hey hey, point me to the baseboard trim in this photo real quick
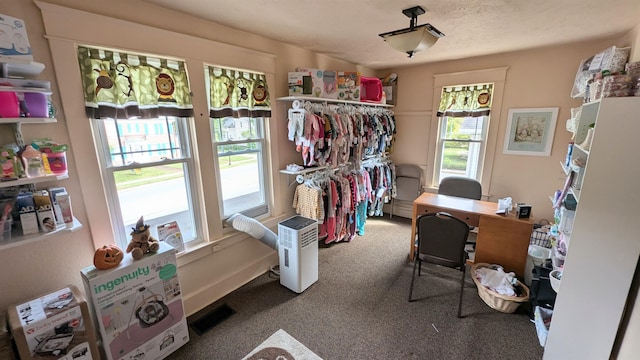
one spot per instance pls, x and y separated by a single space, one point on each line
213 292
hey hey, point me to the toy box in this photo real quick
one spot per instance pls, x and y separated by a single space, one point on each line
312 82
14 42
329 84
137 306
54 326
348 85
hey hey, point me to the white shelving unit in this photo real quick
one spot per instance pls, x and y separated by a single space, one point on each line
604 251
8 70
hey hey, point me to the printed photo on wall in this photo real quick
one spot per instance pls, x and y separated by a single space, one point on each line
530 131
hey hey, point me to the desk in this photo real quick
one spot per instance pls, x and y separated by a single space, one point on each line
502 240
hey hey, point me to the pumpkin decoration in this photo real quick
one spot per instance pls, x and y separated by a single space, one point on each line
107 257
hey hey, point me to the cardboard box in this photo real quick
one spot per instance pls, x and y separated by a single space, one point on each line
312 82
14 42
348 85
329 84
53 193
6 348
27 210
44 211
390 92
296 82
54 326
137 306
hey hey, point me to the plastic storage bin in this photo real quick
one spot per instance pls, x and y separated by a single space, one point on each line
542 319
371 89
37 104
9 105
537 257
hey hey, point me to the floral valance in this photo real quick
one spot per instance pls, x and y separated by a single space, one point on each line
463 101
121 86
235 93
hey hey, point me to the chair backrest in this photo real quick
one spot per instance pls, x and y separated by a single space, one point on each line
461 187
441 239
408 181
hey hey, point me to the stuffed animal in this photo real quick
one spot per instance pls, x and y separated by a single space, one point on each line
141 241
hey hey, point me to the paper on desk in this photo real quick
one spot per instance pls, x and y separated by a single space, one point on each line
504 205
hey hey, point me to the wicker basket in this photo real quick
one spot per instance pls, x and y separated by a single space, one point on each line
503 303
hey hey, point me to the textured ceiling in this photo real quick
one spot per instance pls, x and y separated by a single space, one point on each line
348 29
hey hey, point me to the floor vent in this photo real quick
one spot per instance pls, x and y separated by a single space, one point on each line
212 318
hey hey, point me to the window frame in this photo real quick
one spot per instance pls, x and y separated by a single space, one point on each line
497 76
263 164
441 143
107 170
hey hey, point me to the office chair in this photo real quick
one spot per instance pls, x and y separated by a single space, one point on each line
441 241
408 184
461 187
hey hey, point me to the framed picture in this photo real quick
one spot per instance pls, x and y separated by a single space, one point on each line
530 131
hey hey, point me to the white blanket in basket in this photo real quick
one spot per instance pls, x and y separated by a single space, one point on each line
497 280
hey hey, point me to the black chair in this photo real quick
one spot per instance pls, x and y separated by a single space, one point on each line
441 241
461 187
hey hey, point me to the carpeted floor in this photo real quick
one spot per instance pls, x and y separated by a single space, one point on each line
358 309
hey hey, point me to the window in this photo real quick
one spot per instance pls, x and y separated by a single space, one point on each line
140 110
463 125
146 170
240 145
238 106
461 146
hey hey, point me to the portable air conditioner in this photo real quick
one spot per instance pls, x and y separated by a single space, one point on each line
298 252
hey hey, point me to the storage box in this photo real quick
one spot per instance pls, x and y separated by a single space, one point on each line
312 82
542 318
296 81
137 306
54 326
26 207
329 84
390 88
370 89
44 211
348 85
14 42
6 348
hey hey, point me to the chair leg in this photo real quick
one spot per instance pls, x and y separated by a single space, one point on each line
413 277
464 271
419 268
391 210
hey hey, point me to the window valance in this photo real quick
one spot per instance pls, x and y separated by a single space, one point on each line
121 86
235 93
463 101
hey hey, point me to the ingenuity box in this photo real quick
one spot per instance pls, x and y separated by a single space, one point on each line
138 306
54 326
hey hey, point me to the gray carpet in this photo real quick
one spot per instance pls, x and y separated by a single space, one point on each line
358 309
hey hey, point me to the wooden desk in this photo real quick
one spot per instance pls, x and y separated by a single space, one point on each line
502 240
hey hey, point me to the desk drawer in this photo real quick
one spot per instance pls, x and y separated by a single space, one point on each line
469 218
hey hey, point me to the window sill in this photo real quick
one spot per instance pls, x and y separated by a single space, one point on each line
230 238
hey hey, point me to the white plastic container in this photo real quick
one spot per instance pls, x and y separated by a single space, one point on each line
32 159
537 256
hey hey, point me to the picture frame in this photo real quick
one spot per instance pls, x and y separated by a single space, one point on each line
530 131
